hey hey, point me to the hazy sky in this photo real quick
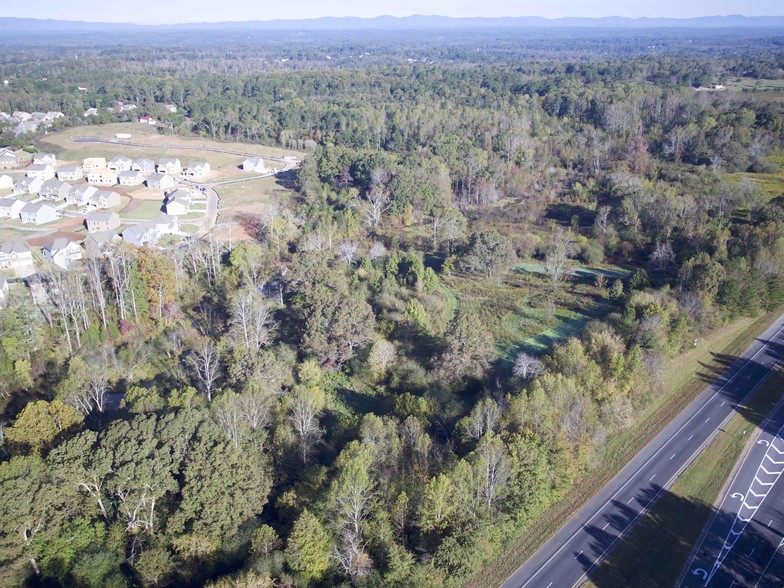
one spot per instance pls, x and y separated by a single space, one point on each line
173 11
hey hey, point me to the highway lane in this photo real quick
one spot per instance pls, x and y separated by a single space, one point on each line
572 553
742 544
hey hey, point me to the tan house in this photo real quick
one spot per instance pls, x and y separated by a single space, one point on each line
70 173
92 163
99 221
105 177
120 163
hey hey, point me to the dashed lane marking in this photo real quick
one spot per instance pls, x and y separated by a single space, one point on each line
605 526
652 477
673 455
689 439
632 498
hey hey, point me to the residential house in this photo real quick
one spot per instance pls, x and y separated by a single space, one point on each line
8 160
91 112
62 252
147 120
21 116
23 128
10 207
15 255
105 199
53 116
166 224
254 164
160 181
81 195
70 173
105 177
42 171
27 185
100 221
177 202
92 163
96 243
145 233
6 182
46 158
38 214
130 178
196 169
120 163
55 190
169 166
143 165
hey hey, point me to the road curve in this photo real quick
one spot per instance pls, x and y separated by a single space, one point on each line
570 556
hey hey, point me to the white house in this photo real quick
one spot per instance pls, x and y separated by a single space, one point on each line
15 255
104 177
70 173
105 199
8 160
177 202
254 164
91 112
45 158
92 163
147 120
130 178
10 207
169 166
27 186
55 190
62 252
145 233
42 171
143 165
6 182
120 163
196 169
38 214
160 181
81 195
166 224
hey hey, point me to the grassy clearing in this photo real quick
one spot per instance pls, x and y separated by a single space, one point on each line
654 553
148 210
11 234
683 388
755 85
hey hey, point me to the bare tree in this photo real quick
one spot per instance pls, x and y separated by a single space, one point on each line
527 367
347 251
602 221
251 319
662 254
483 418
351 557
558 253
205 364
375 205
305 407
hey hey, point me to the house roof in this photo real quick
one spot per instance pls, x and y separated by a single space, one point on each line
100 238
144 161
179 194
197 164
35 207
120 159
44 156
58 244
158 177
39 167
101 216
168 160
14 247
83 189
9 202
130 174
69 169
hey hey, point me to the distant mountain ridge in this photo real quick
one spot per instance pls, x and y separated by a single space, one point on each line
33 25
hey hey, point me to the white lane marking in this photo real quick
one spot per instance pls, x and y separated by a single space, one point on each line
753 549
632 498
652 477
723 403
689 439
579 554
659 450
706 420
550 584
769 522
768 564
673 455
605 526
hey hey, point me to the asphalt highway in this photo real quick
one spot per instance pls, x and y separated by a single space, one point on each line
569 557
743 543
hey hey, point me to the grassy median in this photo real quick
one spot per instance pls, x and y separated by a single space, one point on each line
683 386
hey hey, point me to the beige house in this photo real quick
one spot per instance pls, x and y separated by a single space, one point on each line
99 221
160 181
105 177
70 173
92 163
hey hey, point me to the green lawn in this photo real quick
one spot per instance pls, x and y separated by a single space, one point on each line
147 211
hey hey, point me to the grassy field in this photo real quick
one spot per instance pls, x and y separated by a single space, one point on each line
683 387
654 553
753 84
148 210
11 234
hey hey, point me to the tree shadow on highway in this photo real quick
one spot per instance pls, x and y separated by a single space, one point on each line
723 366
655 551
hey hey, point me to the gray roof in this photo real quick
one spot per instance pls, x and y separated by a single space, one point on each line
101 237
39 166
169 160
69 169
58 245
8 202
34 207
14 247
101 216
130 174
120 158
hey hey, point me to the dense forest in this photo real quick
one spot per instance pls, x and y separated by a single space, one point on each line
345 399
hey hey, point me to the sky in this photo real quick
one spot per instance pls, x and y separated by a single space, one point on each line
181 11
